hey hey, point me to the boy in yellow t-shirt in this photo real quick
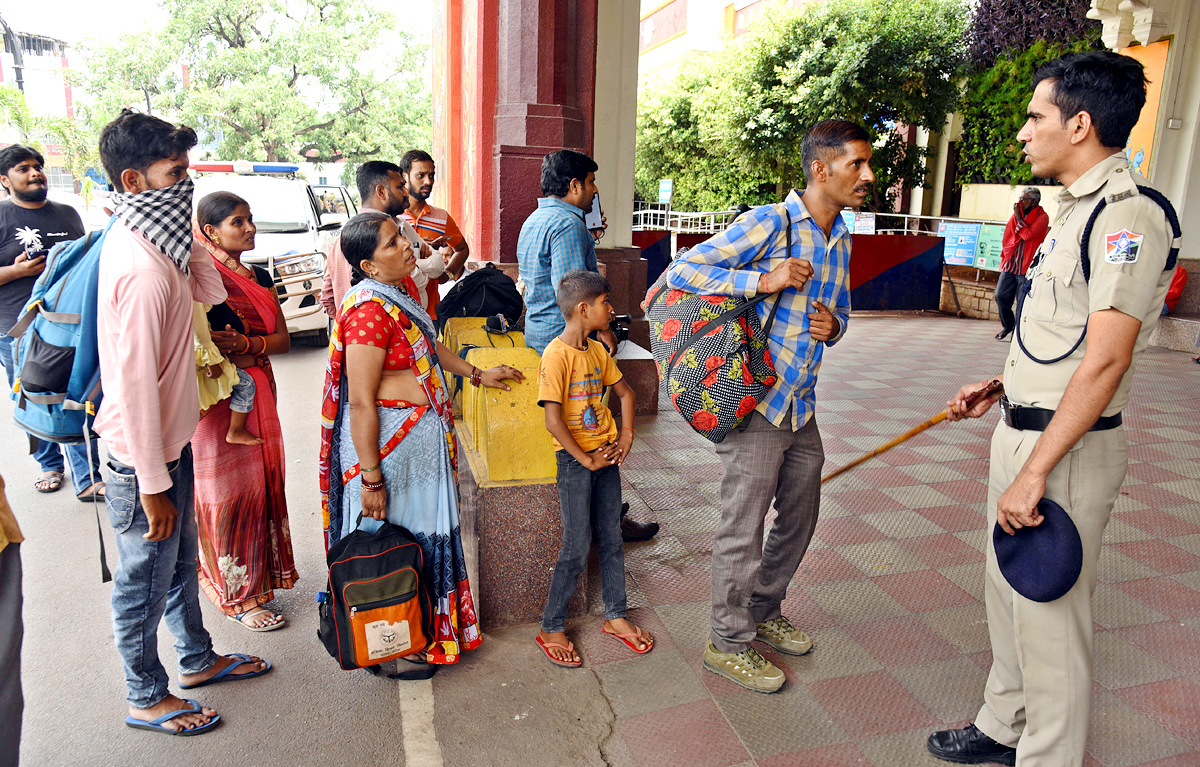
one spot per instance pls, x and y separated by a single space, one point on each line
574 372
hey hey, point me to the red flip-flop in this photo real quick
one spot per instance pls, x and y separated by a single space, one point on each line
626 639
569 647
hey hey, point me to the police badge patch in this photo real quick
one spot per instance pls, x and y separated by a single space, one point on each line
1122 247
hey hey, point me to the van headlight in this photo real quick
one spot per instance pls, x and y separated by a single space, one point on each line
312 263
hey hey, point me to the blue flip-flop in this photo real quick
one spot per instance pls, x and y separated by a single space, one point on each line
225 675
156 725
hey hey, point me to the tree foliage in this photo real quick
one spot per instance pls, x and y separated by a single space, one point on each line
993 109
670 145
275 80
880 63
1015 25
77 142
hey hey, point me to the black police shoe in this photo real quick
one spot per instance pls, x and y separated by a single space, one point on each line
1003 334
634 532
969 746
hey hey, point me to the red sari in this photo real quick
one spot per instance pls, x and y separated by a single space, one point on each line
241 508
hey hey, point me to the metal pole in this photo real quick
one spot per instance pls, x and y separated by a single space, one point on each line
14 44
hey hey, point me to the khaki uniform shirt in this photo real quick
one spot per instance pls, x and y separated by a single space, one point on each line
1128 252
9 532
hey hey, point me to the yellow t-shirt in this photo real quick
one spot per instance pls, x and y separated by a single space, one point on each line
9 532
576 380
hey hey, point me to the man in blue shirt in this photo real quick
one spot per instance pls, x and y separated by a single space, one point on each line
554 240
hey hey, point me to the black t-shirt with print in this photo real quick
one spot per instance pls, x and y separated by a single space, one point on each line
30 230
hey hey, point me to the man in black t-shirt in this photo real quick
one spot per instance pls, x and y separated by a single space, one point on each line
29 226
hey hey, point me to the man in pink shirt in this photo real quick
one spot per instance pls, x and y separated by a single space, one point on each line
148 280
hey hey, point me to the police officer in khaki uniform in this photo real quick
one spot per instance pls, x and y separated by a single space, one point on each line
1061 435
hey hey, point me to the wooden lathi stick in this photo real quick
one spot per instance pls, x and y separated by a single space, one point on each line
992 388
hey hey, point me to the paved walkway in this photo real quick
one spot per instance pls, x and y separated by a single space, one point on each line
891 591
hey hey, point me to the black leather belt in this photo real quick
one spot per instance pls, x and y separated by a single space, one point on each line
1028 418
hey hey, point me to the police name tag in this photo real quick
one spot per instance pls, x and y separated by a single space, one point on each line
1122 247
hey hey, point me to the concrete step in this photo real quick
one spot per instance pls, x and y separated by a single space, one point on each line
1179 331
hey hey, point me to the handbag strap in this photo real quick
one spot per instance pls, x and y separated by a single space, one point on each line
742 308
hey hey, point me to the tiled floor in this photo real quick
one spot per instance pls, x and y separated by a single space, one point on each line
891 589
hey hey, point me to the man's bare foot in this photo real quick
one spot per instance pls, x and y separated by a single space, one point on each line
559 653
169 704
623 626
242 437
256 665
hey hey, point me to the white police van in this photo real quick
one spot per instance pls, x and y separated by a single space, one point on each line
296 222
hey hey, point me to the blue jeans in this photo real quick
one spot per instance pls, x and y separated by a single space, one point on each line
241 399
588 499
152 579
47 454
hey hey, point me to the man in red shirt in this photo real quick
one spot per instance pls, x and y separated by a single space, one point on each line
1022 237
435 225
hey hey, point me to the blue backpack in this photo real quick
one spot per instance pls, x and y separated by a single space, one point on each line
56 357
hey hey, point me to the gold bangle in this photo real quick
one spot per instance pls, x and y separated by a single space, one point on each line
364 469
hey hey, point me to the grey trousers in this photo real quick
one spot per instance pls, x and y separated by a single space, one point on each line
761 464
12 704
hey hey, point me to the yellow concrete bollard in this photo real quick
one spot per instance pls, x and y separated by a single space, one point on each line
507 428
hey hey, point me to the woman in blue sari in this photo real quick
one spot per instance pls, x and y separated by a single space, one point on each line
388 448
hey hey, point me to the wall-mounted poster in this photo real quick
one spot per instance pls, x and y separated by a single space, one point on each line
962 240
991 242
1140 149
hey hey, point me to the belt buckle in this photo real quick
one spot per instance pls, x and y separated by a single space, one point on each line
1006 409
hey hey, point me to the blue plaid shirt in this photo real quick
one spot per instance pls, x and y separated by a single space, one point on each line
731 263
553 241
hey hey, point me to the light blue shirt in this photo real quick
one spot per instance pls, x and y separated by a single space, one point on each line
554 241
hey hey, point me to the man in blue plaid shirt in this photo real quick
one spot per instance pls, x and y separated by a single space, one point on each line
777 455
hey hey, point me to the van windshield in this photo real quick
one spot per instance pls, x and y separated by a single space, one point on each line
277 205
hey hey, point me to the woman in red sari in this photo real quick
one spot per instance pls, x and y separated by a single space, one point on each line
241 509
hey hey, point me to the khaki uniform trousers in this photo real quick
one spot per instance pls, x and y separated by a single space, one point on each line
1039 690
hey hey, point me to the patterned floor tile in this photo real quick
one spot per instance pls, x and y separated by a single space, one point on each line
676 584
641 684
1113 567
691 735
924 590
1113 608
687 623
1161 555
902 524
964 627
855 601
897 642
598 648
660 551
867 501
867 705
1165 594
841 755
902 749
835 654
784 721
1170 642
964 490
846 530
951 689
941 550
1119 664
697 519
825 566
881 558
1122 736
660 498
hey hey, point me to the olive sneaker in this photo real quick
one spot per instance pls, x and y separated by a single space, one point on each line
747 668
783 636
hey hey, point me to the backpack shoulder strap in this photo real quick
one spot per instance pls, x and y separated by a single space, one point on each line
1149 193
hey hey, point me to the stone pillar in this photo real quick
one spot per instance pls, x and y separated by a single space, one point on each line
546 80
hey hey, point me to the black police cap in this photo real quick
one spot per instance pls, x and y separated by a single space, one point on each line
1041 563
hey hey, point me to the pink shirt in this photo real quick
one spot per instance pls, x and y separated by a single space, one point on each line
337 270
147 363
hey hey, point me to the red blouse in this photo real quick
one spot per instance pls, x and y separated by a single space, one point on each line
370 324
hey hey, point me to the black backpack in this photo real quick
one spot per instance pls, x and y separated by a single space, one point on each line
378 605
482 293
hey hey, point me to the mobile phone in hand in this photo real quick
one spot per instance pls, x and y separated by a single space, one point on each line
594 219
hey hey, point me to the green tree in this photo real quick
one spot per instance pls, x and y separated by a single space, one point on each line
880 63
277 80
670 145
76 140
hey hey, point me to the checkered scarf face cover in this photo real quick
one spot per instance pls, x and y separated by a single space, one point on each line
162 216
